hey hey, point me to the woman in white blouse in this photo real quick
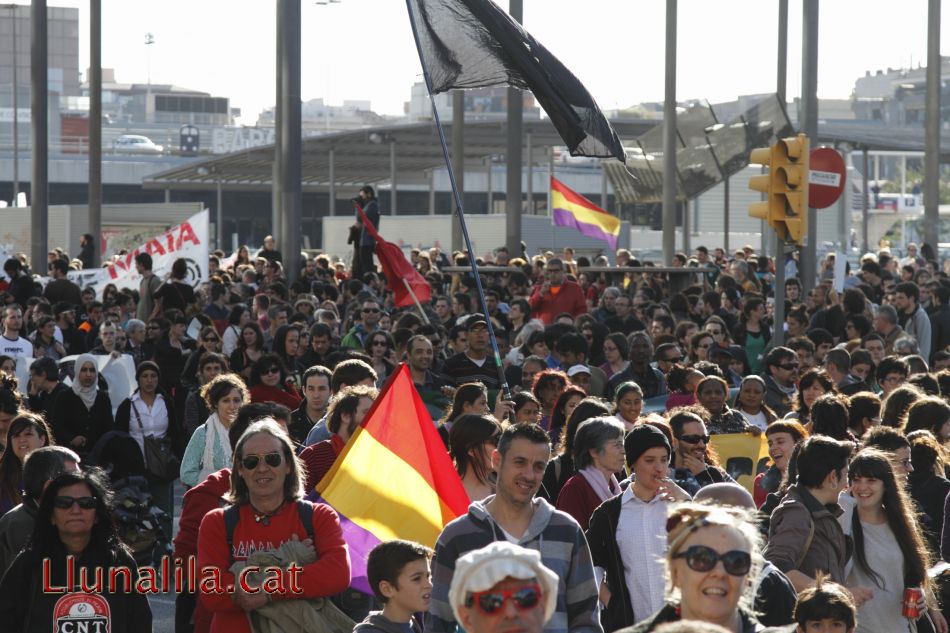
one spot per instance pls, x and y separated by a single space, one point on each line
149 412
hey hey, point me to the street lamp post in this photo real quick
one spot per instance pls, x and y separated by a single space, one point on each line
16 113
149 41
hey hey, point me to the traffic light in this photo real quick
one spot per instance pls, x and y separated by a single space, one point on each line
786 187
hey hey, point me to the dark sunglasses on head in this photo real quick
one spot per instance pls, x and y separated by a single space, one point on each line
490 602
701 558
694 439
273 460
65 503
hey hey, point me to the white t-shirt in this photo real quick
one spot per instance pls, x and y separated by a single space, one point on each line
16 348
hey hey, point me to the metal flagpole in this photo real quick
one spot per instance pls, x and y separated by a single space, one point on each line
506 391
425 317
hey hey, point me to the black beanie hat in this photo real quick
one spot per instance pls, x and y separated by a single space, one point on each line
642 438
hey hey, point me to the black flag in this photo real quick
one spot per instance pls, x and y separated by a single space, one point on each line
473 44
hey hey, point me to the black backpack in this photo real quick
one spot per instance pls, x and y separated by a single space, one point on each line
232 515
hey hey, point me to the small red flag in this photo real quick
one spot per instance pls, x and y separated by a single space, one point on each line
399 271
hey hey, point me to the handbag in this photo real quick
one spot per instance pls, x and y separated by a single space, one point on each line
161 463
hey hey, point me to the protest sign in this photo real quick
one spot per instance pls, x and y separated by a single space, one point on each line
188 240
742 455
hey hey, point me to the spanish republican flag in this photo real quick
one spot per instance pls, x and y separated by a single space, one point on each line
570 208
394 479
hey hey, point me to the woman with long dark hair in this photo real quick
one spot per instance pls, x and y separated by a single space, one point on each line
74 520
27 433
616 354
269 383
471 441
237 318
175 293
250 347
813 384
889 552
286 346
566 403
379 346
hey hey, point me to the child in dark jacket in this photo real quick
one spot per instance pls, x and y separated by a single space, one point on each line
398 573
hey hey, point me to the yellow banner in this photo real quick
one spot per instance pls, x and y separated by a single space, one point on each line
742 455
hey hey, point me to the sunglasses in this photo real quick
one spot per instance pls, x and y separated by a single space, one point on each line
273 460
272 370
694 439
370 310
701 558
673 359
65 503
789 367
491 602
380 344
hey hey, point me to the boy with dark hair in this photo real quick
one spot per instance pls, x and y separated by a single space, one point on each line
827 606
398 573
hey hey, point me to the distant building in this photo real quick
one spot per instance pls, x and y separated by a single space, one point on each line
63 52
160 104
318 117
481 104
897 96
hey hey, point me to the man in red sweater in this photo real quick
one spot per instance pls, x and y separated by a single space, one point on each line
344 416
207 496
557 294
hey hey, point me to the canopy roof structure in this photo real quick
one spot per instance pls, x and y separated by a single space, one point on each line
368 155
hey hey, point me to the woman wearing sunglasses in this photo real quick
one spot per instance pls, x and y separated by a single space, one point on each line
889 551
267 497
74 519
471 441
208 449
269 383
379 347
712 553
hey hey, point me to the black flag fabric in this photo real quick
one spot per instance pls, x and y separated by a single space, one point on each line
473 44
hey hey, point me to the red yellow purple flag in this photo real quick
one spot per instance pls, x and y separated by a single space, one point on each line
394 479
570 208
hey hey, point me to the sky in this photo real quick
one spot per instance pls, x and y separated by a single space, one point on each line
363 49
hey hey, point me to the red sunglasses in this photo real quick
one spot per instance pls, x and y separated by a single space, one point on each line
491 602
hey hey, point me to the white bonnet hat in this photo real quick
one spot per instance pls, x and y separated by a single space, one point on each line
482 569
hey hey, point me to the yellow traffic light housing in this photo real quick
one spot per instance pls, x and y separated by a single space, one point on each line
785 208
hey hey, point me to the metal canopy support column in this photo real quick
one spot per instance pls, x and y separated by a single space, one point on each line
291 196
219 202
603 190
488 187
808 121
669 138
513 155
39 124
431 178
458 161
392 176
932 145
95 128
865 194
332 184
725 215
276 193
16 105
529 153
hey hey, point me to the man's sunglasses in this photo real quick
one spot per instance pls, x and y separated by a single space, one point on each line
694 439
370 310
491 602
702 559
273 460
65 503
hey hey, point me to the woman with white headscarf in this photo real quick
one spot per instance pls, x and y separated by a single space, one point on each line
83 414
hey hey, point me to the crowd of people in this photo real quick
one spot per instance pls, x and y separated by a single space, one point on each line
598 501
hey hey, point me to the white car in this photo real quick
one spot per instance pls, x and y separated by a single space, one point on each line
134 144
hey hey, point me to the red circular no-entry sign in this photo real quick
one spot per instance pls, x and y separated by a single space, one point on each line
826 175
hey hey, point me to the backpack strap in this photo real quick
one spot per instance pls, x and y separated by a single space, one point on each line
305 510
811 537
231 516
